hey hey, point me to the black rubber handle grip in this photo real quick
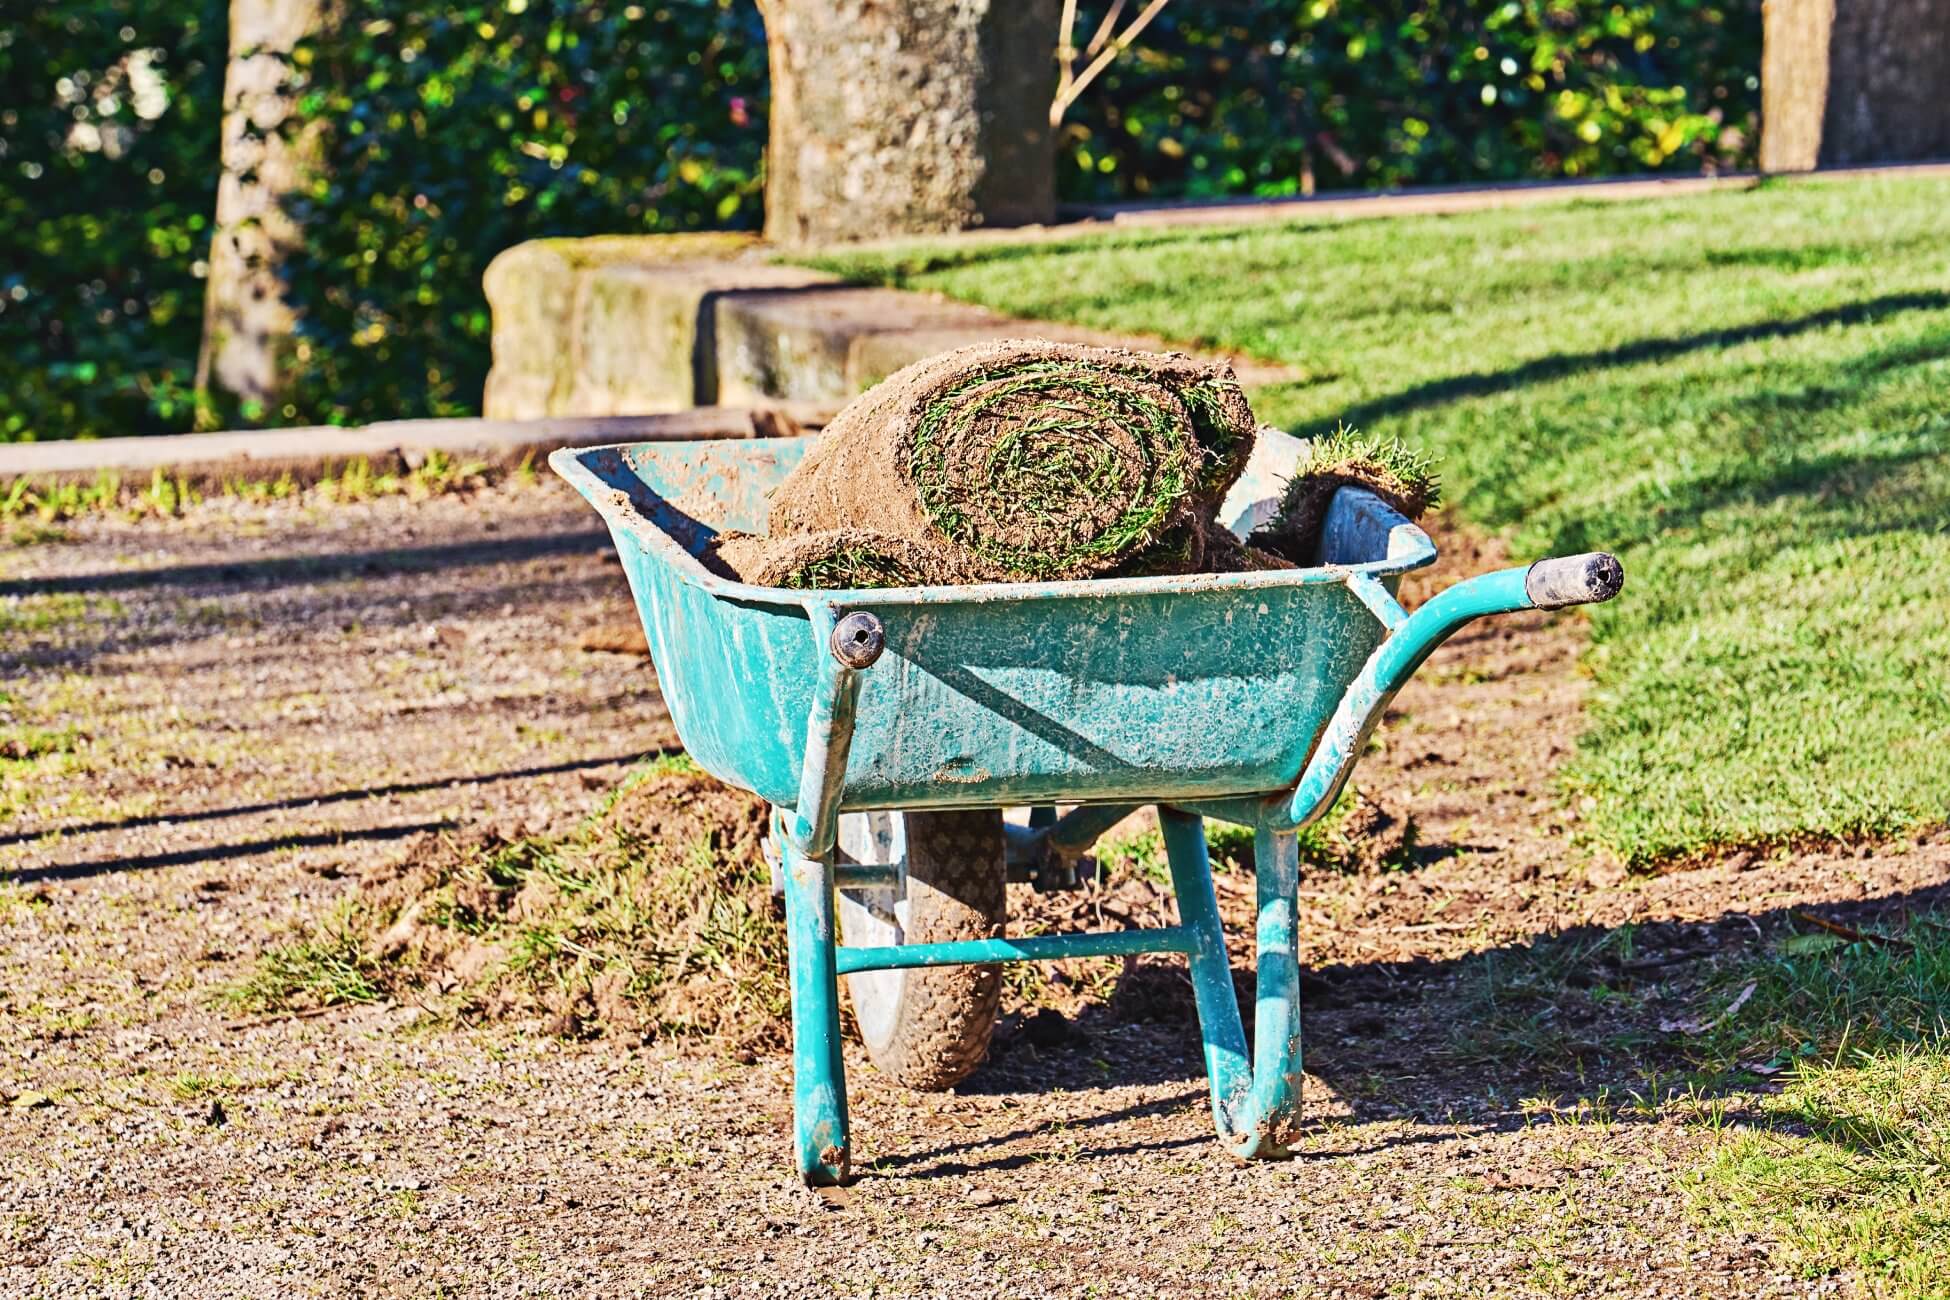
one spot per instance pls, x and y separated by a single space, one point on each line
1574 580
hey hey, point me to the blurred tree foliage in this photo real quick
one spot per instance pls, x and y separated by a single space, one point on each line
456 129
108 176
1249 97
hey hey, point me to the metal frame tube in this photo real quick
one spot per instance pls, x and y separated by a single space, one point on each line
819 1117
1226 1068
829 739
1264 1126
1042 947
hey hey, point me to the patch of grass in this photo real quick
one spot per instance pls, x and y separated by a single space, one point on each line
1561 1002
26 744
328 966
189 1086
1819 997
1845 1173
437 475
1841 1165
22 497
1740 393
1585 998
54 612
168 496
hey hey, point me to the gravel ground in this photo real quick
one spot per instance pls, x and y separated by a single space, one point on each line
241 707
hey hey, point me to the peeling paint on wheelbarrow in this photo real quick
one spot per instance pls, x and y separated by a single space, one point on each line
1242 696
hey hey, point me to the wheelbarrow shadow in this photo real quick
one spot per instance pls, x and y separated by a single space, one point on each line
1572 1021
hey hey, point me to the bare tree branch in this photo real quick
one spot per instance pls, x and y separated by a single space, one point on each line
1067 94
1104 29
1066 48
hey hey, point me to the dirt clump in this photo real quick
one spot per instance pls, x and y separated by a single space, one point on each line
655 918
1373 837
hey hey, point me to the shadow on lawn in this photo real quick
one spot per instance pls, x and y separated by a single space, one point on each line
1831 485
1544 370
1571 1017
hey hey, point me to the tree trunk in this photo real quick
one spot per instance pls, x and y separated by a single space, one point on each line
908 116
247 323
1854 81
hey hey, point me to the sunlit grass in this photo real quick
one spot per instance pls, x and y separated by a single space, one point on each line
1740 393
46 503
1845 1170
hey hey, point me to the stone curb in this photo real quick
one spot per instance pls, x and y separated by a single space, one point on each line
601 332
1087 220
208 460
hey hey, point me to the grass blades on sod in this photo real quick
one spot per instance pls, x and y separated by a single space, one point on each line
1744 394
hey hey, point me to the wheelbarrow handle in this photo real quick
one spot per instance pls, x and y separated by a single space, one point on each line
1587 579
1547 584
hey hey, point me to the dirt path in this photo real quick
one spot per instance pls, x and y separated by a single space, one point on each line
262 699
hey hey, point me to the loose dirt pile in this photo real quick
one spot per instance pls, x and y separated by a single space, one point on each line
656 920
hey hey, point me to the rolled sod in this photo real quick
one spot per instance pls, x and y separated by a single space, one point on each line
1013 461
1398 474
854 558
839 559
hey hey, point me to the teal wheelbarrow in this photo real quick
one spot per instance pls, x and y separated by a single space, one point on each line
889 728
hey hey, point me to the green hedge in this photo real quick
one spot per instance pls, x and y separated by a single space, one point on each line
108 178
459 129
1250 98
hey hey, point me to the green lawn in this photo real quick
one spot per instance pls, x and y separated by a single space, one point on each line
1745 395
1842 1166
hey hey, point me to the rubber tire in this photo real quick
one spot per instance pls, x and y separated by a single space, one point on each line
942 1017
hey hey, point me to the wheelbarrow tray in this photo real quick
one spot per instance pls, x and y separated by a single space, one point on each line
1128 690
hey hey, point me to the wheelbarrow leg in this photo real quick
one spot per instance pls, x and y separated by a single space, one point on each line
1264 1128
818 1071
1226 1067
1254 1106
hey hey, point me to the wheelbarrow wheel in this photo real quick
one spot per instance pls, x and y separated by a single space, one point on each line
926 1027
